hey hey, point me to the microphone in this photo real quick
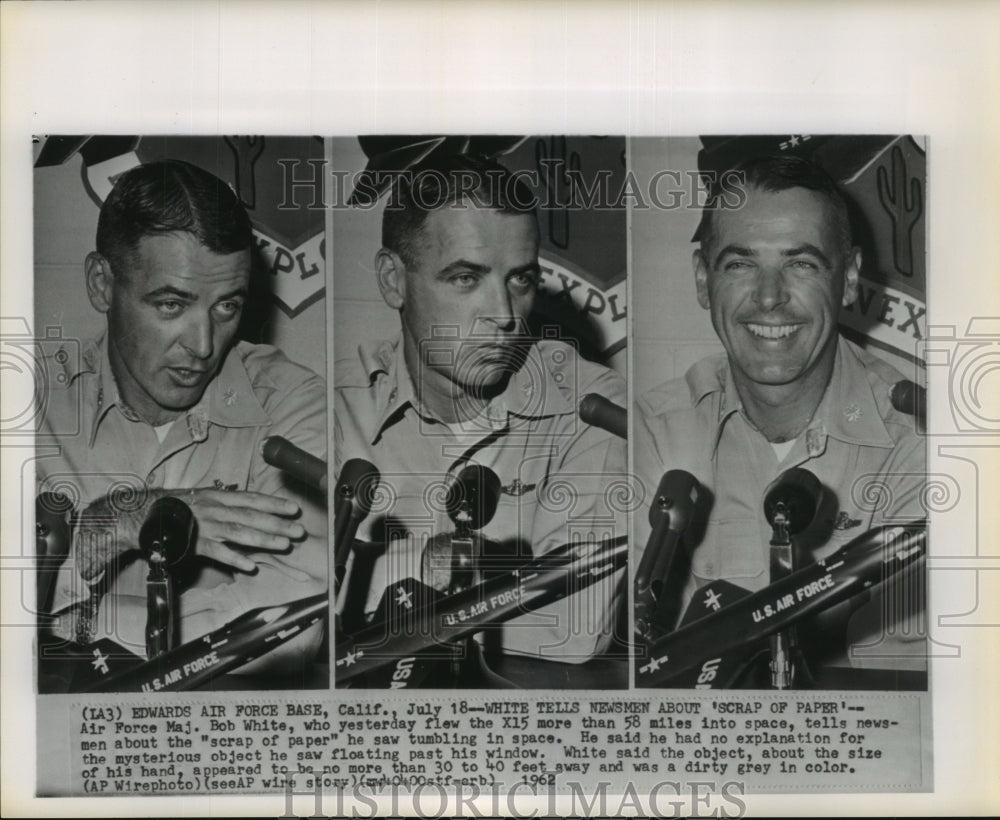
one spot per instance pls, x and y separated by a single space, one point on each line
164 538
52 543
281 453
471 504
792 499
353 497
166 533
871 558
669 515
790 505
910 398
449 619
604 413
252 634
472 500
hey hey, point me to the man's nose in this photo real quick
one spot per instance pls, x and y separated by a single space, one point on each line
197 339
499 308
770 290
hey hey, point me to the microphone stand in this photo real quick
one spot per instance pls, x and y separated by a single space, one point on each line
782 564
790 505
471 504
164 538
353 498
669 514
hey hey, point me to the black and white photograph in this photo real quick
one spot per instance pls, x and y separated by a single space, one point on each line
480 422
181 358
422 409
780 404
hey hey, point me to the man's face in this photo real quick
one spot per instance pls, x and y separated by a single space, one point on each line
468 293
774 277
173 308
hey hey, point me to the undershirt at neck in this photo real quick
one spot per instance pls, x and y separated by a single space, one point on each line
782 448
163 429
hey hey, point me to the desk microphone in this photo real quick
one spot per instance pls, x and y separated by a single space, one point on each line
910 398
669 515
281 453
53 537
471 504
164 539
604 413
353 498
790 505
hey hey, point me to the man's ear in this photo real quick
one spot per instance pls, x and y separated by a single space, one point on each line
100 282
852 270
391 274
700 277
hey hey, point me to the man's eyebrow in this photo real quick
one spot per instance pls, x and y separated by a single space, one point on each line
807 248
463 265
241 292
798 250
736 250
170 290
531 267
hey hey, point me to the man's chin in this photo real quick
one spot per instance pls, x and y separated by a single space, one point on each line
179 400
486 380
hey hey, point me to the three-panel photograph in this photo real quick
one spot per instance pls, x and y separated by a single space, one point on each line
467 412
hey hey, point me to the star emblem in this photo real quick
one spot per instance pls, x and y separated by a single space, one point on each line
350 658
852 412
100 662
654 664
230 396
403 597
712 600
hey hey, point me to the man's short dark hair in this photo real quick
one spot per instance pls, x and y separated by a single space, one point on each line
171 196
452 180
772 174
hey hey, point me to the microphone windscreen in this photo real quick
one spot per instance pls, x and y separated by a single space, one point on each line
799 491
167 530
281 453
676 495
604 413
475 493
358 480
909 397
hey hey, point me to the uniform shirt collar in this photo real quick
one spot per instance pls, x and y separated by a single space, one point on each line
711 383
229 400
848 410
537 389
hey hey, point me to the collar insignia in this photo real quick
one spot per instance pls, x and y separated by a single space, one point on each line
516 488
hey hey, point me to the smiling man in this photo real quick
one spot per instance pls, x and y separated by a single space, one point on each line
168 402
465 382
787 392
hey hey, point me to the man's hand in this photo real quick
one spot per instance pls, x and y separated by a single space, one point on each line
226 523
242 520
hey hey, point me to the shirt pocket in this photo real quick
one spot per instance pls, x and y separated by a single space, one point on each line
732 551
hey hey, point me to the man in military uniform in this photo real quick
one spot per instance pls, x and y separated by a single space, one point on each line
167 402
789 391
465 383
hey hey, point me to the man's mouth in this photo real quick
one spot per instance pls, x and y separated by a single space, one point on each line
186 375
771 331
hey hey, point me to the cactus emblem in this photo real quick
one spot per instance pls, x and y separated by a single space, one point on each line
904 204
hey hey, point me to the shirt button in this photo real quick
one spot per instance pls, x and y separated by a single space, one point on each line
392 395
